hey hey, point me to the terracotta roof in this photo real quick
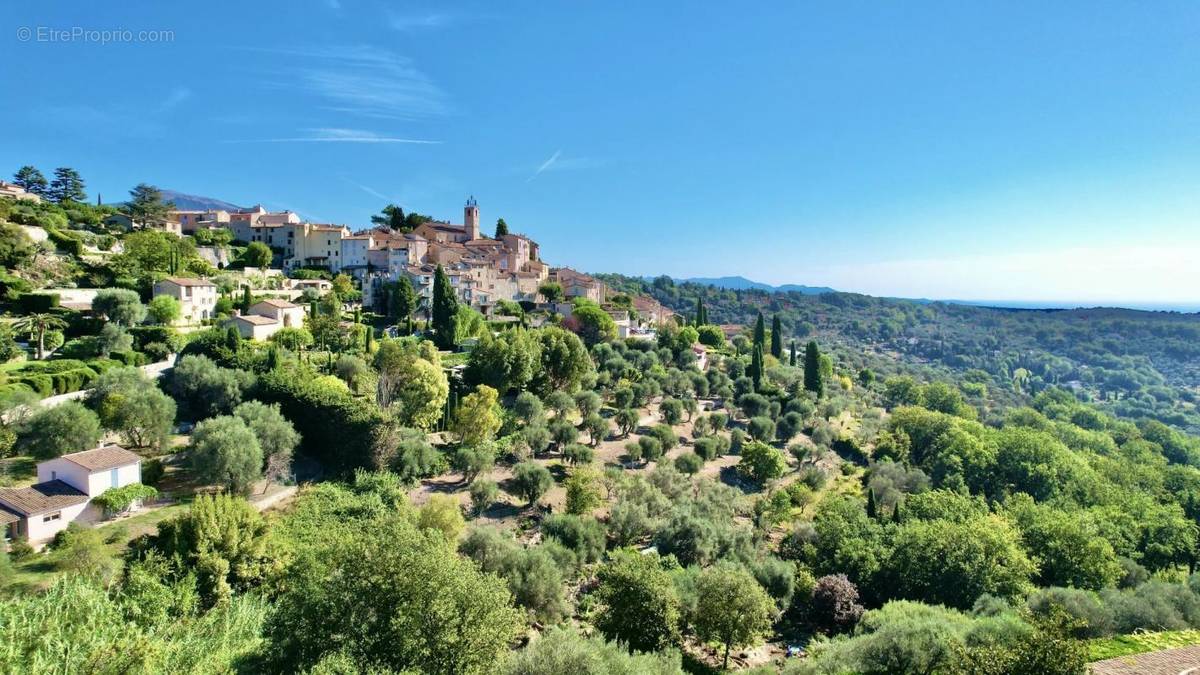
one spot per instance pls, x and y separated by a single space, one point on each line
187 281
275 302
107 457
255 319
42 497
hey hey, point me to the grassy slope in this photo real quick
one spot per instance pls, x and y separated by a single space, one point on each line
1140 643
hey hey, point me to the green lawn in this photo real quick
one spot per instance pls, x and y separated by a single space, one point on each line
18 471
1140 643
39 570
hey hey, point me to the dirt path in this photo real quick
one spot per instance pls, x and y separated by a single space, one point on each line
1182 661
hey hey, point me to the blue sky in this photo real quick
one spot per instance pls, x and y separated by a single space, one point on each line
955 150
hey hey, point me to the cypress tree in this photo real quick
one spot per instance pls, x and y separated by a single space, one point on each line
756 366
896 515
776 337
233 339
760 332
370 339
445 310
272 358
792 358
312 309
245 298
872 509
812 369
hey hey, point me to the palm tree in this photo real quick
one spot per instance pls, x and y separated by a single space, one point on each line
37 324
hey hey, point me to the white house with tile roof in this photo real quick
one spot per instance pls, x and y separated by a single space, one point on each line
65 489
267 317
197 297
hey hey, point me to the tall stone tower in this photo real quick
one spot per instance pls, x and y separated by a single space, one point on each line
471 219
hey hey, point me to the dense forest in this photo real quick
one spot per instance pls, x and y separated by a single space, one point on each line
1134 364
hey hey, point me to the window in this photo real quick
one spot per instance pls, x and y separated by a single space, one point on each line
113 476
57 515
53 475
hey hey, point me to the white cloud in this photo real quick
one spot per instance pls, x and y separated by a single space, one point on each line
363 80
546 165
177 96
417 20
369 190
557 162
333 135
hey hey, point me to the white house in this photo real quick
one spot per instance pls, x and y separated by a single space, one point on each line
197 297
265 318
64 491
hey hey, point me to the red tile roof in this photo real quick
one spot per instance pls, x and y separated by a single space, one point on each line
42 497
107 457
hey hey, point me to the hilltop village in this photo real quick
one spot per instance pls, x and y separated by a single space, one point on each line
232 440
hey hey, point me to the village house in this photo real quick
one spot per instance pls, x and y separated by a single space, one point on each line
579 285
197 297
191 221
650 312
267 317
14 191
65 489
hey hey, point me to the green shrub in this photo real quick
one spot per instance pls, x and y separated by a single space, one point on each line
32 303
41 384
129 358
117 500
65 241
11 287
152 471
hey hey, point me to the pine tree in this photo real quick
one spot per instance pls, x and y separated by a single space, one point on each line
67 186
32 180
445 310
760 332
776 337
146 206
872 509
812 369
501 228
792 358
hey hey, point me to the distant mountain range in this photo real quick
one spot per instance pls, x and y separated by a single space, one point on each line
742 284
186 202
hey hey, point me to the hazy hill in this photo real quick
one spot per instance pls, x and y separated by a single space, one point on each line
742 283
188 202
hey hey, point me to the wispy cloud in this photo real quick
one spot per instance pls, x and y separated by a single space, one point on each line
546 165
363 80
417 20
114 117
557 162
332 135
177 96
369 190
